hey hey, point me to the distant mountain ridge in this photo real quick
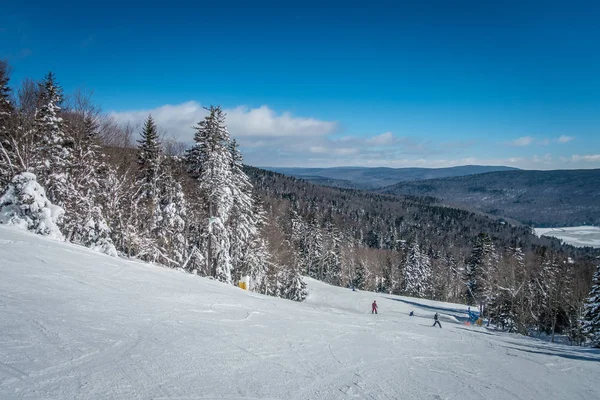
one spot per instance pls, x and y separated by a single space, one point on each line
541 198
379 177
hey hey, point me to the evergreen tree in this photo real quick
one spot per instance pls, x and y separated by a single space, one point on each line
171 221
114 197
52 156
96 233
417 272
505 308
149 162
295 287
209 161
312 249
242 221
477 268
359 280
591 316
256 256
85 170
25 205
7 116
447 279
331 266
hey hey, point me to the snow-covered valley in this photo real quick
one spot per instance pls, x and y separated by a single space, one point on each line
579 236
75 324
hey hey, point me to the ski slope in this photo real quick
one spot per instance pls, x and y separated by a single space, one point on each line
75 324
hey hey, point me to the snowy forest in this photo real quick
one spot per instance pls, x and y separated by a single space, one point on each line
71 172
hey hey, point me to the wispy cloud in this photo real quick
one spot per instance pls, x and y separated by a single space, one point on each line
380 140
586 158
565 139
522 141
530 140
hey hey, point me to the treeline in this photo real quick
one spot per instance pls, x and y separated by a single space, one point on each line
69 172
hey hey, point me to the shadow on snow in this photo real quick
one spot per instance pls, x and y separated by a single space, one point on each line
570 354
460 314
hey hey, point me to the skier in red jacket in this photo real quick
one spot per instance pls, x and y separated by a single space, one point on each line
374 307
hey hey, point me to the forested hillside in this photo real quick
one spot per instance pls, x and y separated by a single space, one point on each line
541 198
413 246
69 171
375 178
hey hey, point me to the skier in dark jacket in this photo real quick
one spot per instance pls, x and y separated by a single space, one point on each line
437 321
374 307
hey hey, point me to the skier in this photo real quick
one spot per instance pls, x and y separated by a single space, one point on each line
412 313
374 307
437 321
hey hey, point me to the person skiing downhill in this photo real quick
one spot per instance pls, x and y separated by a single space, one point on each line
374 307
437 321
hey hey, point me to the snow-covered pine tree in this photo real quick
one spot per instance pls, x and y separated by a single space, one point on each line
504 308
209 161
25 205
88 173
149 158
591 316
96 233
83 184
171 224
360 273
114 196
7 116
256 256
447 279
53 153
196 235
385 282
295 287
477 268
416 272
311 248
242 221
547 289
331 266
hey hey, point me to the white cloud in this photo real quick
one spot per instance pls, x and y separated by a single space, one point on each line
565 139
318 149
177 121
271 138
380 140
522 141
346 151
587 158
263 121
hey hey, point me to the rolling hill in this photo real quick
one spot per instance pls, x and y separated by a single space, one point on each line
541 198
373 178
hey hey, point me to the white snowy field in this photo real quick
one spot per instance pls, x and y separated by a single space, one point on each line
579 236
75 324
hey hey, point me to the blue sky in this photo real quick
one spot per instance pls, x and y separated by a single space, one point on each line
329 83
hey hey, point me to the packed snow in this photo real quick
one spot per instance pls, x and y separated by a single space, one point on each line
580 236
75 323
